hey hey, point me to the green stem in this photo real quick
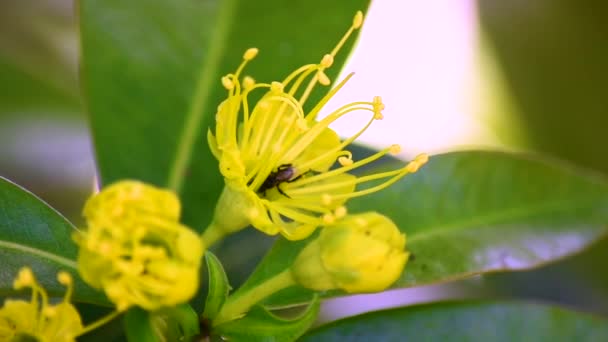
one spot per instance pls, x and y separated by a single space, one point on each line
105 319
212 234
241 301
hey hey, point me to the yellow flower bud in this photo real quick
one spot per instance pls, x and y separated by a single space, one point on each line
38 319
135 249
361 253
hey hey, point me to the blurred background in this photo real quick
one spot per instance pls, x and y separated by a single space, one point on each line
515 75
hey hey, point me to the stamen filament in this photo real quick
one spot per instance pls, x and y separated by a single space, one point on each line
321 189
292 214
317 108
294 88
298 113
338 149
305 206
99 322
318 128
356 24
309 88
344 169
372 189
298 71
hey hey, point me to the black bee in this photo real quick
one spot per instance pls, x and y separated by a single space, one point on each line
285 174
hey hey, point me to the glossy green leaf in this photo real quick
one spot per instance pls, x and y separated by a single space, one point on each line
468 213
218 286
467 321
552 56
259 325
139 326
471 212
33 234
24 92
178 323
151 77
37 65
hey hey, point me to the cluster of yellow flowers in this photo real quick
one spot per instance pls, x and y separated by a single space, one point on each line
286 172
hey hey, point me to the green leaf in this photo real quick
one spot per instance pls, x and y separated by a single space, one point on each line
467 321
24 92
139 326
467 213
471 212
560 113
259 325
179 323
151 77
218 286
37 65
33 234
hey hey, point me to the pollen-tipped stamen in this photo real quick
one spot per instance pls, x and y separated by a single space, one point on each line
318 128
65 279
357 21
397 174
335 172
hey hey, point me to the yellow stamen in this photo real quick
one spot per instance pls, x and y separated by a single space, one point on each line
250 54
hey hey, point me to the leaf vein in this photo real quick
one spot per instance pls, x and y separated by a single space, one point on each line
34 251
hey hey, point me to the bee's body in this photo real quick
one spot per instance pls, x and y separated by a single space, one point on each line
284 173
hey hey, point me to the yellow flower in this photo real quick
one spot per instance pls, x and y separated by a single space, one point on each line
361 253
38 320
277 159
135 249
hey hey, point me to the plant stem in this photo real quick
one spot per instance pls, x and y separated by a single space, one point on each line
212 234
241 301
103 320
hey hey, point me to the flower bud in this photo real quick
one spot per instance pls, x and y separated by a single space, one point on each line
135 249
361 253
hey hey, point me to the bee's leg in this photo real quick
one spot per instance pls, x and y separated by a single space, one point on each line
281 191
295 179
283 167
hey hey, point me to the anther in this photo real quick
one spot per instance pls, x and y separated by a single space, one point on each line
24 278
378 104
276 87
395 149
323 79
250 54
227 83
64 278
327 61
358 20
248 82
422 158
345 161
415 164
340 212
